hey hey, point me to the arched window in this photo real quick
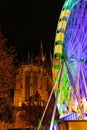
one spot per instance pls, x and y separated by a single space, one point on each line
35 82
27 85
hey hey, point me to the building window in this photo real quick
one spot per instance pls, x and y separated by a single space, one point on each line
27 85
35 82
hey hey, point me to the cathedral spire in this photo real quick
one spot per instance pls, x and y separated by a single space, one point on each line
32 56
28 56
43 58
41 49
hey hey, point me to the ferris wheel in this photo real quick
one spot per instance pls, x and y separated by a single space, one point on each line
70 59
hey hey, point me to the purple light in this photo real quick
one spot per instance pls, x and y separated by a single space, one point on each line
75 46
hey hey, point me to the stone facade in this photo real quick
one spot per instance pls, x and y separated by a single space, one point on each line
33 83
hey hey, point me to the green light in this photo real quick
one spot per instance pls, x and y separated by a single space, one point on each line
59 42
58 67
57 55
69 4
55 122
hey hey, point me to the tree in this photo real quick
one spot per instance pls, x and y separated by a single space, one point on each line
7 74
7 67
6 111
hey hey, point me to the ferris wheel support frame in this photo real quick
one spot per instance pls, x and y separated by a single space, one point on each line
54 109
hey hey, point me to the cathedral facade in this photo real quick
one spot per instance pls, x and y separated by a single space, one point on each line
33 84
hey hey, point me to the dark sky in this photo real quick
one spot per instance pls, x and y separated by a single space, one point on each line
27 23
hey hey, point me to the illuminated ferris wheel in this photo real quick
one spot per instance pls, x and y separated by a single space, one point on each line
70 62
70 59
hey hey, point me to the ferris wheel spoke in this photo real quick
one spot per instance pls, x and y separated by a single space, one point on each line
69 47
84 81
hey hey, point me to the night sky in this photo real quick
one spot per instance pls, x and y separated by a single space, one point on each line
26 23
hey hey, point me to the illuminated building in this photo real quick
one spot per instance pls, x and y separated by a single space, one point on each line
33 82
